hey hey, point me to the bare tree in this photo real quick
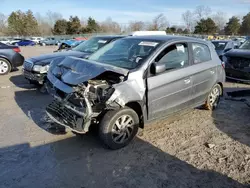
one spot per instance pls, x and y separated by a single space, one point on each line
43 24
83 22
109 26
220 19
189 20
52 17
202 12
3 23
136 26
159 23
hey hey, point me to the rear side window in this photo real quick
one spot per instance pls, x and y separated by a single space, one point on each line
201 53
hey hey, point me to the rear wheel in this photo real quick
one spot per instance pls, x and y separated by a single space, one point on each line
5 66
213 98
119 127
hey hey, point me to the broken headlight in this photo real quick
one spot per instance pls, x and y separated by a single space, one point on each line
40 68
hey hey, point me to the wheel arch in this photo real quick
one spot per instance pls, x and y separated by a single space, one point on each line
137 107
222 89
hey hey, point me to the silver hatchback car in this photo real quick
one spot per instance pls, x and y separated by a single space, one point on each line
132 81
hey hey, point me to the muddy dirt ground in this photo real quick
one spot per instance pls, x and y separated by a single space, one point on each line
170 153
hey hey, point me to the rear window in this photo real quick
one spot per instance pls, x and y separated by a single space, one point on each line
201 53
219 45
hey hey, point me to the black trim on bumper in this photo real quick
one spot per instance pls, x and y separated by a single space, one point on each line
40 78
66 117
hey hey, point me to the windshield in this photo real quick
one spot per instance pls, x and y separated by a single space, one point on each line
125 53
91 45
219 45
245 45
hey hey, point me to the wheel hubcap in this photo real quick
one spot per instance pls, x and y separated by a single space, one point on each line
214 96
122 129
3 67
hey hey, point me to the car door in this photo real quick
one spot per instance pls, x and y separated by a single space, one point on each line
170 90
204 71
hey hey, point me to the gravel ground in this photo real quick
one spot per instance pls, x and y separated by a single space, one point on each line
194 149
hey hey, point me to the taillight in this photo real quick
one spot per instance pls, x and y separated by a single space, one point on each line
223 64
17 50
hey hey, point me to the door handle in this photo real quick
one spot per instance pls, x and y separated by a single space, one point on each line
187 81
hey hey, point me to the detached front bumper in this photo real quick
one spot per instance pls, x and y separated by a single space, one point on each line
67 116
37 77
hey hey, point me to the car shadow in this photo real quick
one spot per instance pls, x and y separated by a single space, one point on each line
233 115
82 162
33 104
21 82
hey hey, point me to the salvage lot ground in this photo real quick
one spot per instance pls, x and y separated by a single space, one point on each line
170 153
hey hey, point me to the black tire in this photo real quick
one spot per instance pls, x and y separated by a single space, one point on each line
107 126
6 63
213 105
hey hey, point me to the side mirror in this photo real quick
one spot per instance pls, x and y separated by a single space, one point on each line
236 47
156 68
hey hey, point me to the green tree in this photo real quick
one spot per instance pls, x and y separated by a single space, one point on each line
22 24
74 25
92 26
233 26
171 30
31 25
245 26
205 26
60 27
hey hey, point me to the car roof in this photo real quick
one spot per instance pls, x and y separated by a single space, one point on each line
109 36
165 38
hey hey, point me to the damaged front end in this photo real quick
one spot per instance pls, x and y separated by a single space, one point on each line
82 91
238 68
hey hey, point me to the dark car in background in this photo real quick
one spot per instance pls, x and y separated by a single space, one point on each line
24 42
35 69
10 58
237 63
223 46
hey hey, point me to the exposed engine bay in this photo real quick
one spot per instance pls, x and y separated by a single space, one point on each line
77 110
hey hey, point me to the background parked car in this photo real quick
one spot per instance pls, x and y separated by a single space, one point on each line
237 63
68 44
4 41
36 39
50 41
35 68
14 40
10 58
24 42
223 46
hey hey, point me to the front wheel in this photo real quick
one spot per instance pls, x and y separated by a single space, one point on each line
119 127
213 98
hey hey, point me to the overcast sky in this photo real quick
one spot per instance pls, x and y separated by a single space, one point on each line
124 11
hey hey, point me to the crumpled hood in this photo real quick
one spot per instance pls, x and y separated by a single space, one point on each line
238 53
74 71
47 58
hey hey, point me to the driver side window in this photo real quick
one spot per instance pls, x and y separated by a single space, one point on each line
174 56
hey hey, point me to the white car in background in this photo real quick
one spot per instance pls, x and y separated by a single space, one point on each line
4 41
14 40
36 39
